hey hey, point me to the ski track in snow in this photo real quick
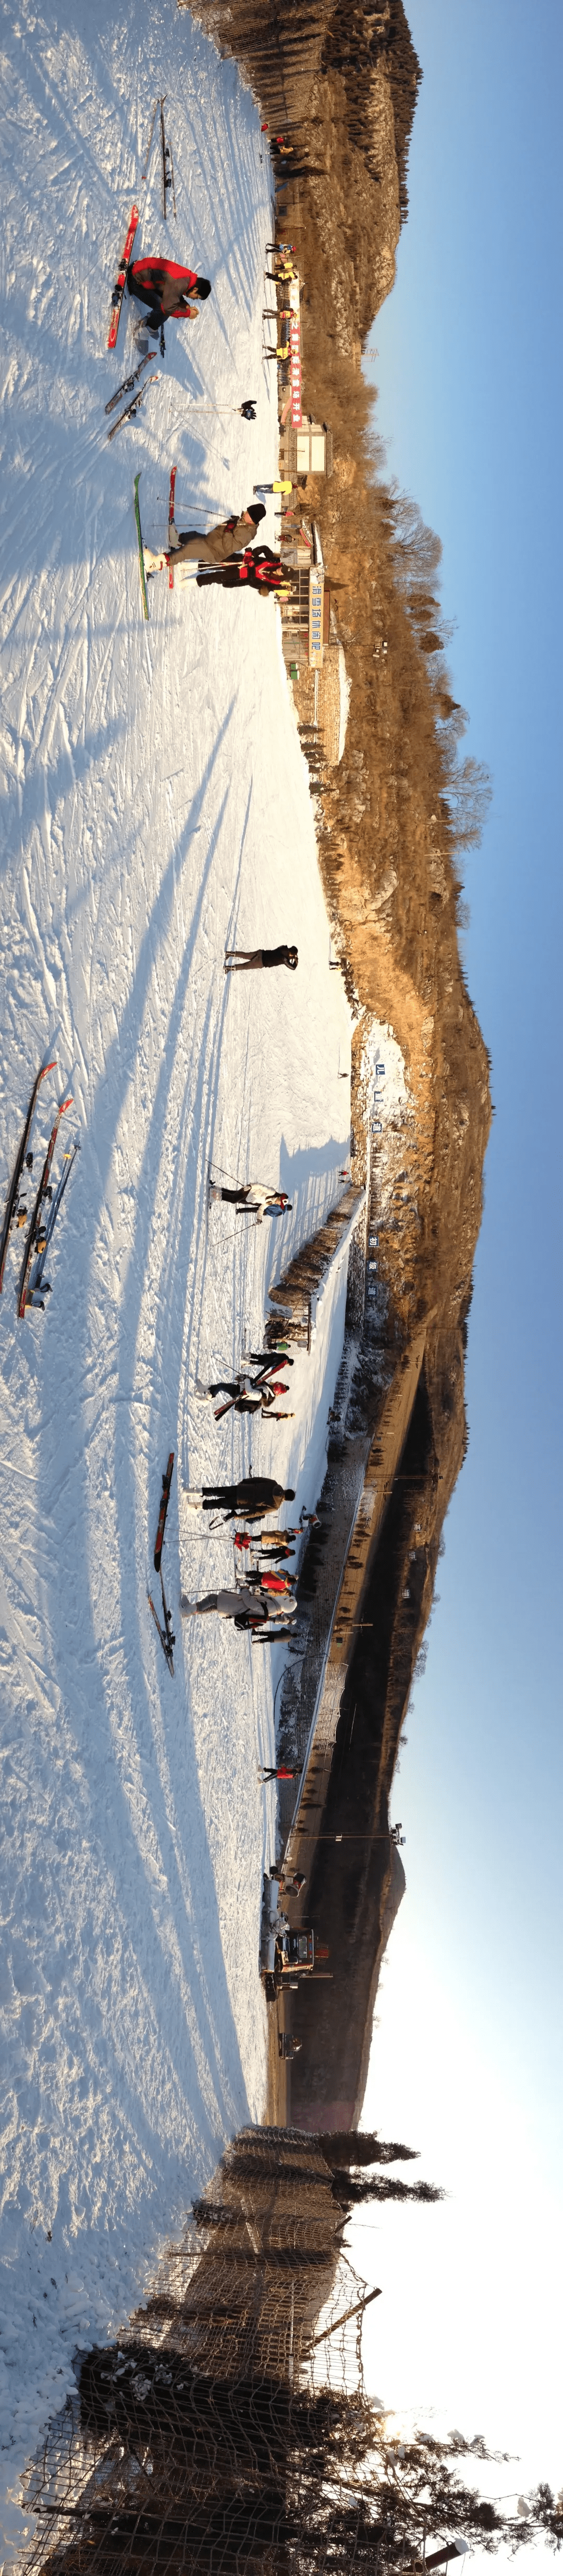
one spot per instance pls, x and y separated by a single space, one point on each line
155 809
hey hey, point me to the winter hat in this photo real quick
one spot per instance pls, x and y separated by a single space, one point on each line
202 288
256 512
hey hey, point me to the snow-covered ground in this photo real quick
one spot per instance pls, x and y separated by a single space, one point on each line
155 809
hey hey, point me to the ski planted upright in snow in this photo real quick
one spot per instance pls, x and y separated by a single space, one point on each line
18 1169
140 546
167 165
170 521
165 1498
45 1233
119 288
166 1634
132 407
41 1194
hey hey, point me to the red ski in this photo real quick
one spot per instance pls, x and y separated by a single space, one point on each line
170 518
119 288
18 1169
41 1194
165 1498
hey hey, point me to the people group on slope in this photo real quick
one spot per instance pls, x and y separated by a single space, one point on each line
227 554
224 554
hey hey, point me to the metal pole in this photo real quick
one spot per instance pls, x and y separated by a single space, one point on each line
348 2312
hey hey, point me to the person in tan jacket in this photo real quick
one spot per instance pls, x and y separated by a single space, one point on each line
220 543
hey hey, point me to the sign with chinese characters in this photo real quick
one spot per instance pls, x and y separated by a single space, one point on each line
316 605
295 354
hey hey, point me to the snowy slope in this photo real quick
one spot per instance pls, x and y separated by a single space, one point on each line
155 807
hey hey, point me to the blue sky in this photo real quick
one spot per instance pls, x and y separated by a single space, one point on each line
469 2044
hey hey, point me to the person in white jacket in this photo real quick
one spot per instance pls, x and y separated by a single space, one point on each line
245 1607
254 1198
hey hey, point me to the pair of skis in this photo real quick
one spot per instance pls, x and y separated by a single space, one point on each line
133 407
12 1199
166 161
45 1235
35 1239
167 1638
166 1633
167 179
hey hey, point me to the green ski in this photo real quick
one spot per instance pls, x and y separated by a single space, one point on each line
140 545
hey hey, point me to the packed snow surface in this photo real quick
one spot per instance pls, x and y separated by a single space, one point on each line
156 810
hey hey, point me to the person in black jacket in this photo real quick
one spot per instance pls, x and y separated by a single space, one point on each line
250 1500
238 960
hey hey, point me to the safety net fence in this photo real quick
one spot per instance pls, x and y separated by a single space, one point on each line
229 2428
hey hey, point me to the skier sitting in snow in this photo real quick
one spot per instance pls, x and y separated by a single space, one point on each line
166 289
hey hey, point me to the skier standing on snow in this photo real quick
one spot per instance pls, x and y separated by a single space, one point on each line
250 1500
219 544
260 570
230 1605
245 1397
254 1198
274 1583
238 960
276 1771
219 547
273 1544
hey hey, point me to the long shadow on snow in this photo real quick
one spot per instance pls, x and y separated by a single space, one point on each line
48 781
117 1064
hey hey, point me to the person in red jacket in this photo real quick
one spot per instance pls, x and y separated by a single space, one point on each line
258 568
167 290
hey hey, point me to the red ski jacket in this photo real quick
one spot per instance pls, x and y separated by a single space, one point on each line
156 281
259 564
